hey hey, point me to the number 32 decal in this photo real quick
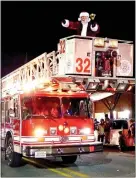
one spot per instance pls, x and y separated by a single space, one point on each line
83 65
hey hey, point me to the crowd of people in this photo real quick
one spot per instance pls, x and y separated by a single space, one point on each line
102 129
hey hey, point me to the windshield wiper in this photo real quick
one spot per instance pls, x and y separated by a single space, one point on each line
38 115
51 117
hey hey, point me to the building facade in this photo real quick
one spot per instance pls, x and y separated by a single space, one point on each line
125 108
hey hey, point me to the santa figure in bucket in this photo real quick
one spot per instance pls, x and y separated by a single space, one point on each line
85 26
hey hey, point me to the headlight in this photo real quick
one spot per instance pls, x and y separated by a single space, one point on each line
61 127
66 130
85 131
40 132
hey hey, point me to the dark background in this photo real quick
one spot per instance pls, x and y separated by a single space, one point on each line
35 27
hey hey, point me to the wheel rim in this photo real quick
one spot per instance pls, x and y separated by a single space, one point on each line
9 151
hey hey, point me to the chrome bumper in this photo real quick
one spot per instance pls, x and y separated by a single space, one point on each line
63 150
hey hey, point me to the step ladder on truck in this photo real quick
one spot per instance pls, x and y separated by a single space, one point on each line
46 106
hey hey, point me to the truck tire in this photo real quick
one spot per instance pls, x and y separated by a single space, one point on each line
69 159
13 159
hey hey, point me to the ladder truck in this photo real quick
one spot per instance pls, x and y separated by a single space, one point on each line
46 106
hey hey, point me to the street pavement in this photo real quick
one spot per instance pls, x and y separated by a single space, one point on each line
110 163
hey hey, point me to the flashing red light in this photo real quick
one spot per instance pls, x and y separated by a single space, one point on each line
111 89
91 148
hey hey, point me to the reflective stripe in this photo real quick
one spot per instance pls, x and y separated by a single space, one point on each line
91 137
93 143
29 139
35 139
16 138
52 139
17 148
74 138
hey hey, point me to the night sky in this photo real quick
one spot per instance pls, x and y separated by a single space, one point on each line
35 27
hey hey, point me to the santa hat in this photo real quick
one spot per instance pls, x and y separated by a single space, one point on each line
86 14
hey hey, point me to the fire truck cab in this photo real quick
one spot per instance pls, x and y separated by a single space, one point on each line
51 123
46 106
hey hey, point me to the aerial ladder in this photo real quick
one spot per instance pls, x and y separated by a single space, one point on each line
99 64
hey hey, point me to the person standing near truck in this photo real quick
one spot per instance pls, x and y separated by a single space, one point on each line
107 129
101 134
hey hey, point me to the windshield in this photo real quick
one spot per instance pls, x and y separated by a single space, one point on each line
75 107
54 107
120 125
40 106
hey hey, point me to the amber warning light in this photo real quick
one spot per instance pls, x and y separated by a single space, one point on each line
113 43
99 42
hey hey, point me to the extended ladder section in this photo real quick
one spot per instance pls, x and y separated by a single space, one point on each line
91 61
35 72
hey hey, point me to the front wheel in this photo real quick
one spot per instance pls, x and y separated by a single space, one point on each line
13 159
69 159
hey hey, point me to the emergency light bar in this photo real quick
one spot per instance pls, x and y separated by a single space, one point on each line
99 42
122 86
69 86
113 43
92 85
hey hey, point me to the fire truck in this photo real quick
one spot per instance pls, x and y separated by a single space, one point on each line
46 105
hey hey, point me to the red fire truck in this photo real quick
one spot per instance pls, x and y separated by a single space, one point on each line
46 106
